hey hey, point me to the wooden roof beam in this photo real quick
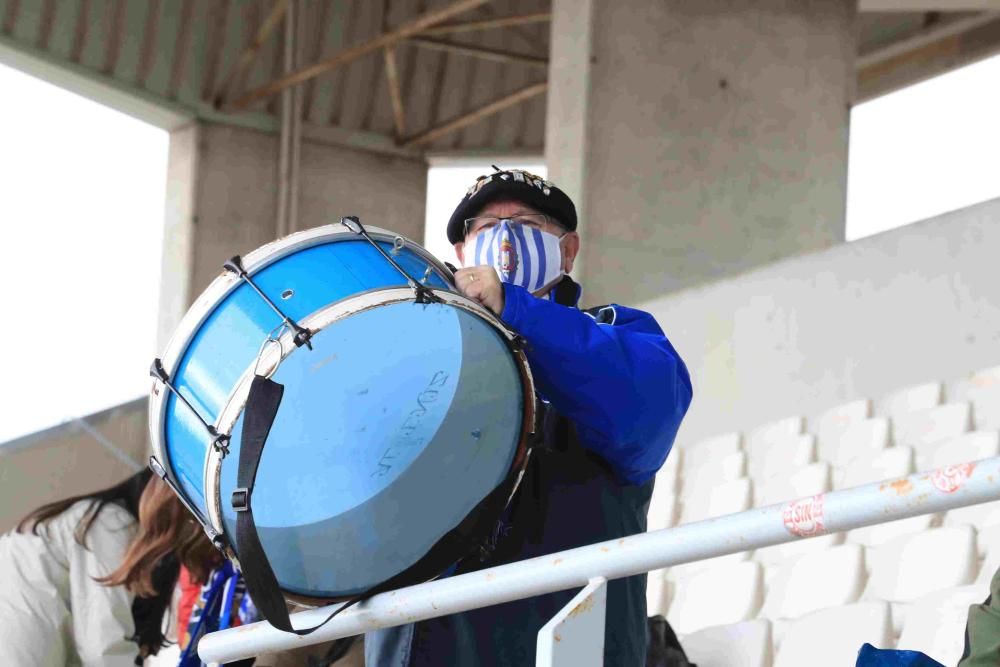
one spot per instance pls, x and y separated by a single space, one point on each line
392 76
248 56
488 24
390 38
477 115
480 52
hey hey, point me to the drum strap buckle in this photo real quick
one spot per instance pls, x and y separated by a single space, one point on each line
241 499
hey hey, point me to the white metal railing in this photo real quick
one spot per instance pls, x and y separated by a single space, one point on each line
922 493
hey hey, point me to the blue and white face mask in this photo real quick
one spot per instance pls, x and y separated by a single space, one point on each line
521 255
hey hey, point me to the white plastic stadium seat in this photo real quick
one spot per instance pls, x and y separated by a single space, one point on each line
688 570
958 389
717 596
963 449
710 448
986 378
832 423
828 578
910 567
777 430
746 644
725 498
988 543
935 624
963 389
925 428
981 516
770 557
986 408
169 656
971 446
662 507
883 533
714 471
657 593
670 471
784 457
833 637
861 440
912 399
890 463
806 481
772 434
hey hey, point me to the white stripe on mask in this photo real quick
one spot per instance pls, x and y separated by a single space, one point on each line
522 256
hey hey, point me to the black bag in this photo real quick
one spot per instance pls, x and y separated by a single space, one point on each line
664 649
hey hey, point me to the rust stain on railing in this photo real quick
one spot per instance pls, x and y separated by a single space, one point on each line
586 605
902 487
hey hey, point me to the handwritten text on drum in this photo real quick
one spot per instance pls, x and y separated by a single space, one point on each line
407 432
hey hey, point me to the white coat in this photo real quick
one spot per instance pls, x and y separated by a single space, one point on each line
52 612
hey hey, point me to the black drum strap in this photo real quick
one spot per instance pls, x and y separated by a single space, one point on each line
258 417
462 540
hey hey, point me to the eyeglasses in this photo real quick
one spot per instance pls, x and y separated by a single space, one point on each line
531 220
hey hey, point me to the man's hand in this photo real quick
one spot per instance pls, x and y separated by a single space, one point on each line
482 284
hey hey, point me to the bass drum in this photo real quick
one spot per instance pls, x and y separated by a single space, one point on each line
398 416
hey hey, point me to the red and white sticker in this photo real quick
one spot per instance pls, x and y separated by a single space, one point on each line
952 478
804 517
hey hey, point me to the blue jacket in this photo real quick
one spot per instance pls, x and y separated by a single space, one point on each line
616 392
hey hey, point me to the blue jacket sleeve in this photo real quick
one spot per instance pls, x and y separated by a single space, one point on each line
622 383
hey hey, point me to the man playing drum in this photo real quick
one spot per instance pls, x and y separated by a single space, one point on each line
615 392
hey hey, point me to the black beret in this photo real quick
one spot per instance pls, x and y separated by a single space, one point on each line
518 185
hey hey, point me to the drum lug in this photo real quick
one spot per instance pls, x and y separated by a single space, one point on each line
161 472
423 294
302 336
220 442
217 539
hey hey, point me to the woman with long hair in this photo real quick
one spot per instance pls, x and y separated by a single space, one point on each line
88 579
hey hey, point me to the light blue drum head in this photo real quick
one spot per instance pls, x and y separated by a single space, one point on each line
398 422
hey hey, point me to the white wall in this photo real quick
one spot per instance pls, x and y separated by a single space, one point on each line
861 319
69 460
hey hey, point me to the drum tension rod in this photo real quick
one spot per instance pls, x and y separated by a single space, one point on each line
423 293
302 335
217 539
220 441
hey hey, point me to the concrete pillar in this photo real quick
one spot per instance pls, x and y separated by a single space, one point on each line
178 231
699 138
222 200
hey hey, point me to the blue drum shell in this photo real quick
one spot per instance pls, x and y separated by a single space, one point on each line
398 421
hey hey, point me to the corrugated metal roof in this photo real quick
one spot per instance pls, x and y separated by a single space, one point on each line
184 52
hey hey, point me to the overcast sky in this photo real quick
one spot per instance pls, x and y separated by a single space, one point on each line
82 208
82 195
